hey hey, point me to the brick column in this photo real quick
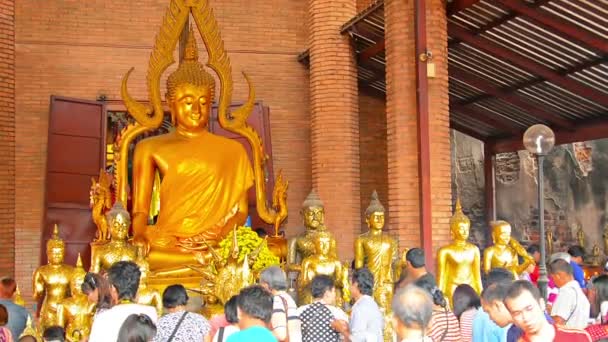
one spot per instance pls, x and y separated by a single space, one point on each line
402 142
7 138
334 119
402 150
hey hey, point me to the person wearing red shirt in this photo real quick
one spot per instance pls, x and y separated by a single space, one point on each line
525 305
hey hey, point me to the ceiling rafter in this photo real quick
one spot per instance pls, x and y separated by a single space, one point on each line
496 121
527 64
463 129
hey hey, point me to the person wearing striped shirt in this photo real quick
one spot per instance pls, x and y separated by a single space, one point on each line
285 321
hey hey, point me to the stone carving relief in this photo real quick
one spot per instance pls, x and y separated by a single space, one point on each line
507 168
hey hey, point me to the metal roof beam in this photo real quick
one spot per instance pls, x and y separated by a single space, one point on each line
371 51
519 101
527 64
558 25
459 5
498 122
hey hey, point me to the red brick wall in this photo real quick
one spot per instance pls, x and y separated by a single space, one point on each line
363 4
372 147
7 137
335 121
82 49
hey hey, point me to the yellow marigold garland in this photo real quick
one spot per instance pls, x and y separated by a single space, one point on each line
248 241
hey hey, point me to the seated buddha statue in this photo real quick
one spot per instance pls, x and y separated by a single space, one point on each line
378 251
204 177
147 295
302 246
322 262
505 251
52 280
103 256
76 312
459 262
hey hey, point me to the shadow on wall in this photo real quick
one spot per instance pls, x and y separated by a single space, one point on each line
576 191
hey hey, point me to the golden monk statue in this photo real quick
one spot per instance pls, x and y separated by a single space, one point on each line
458 263
147 295
378 252
103 256
580 236
76 312
52 280
204 178
322 262
302 246
30 331
505 251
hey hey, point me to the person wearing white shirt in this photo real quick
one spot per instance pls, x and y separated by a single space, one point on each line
571 308
124 281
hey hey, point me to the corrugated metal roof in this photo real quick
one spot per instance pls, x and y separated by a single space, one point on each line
511 63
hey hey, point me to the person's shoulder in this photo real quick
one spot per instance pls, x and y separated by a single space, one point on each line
574 334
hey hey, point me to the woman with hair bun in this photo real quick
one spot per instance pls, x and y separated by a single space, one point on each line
444 325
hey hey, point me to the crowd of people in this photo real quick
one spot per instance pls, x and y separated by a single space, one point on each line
508 309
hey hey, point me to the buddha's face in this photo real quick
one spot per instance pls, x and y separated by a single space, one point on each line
375 220
190 106
502 234
76 283
313 217
120 227
323 245
460 230
55 255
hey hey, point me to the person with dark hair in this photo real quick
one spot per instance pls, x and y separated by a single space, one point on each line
367 321
97 289
534 251
571 308
5 332
484 328
415 267
123 277
230 311
466 303
54 334
598 296
444 325
577 253
526 308
254 307
316 318
412 312
179 325
491 300
17 314
285 323
138 328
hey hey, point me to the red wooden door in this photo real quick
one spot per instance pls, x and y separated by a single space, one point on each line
76 152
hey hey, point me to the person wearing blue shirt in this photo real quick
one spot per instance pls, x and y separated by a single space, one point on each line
254 307
576 259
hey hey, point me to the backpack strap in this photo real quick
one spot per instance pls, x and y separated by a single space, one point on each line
181 319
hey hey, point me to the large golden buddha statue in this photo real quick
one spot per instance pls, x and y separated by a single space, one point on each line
303 246
204 177
76 312
505 251
378 252
145 294
104 255
459 262
52 280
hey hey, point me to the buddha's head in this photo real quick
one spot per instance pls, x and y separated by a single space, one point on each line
119 221
323 243
460 224
190 90
313 211
501 232
77 277
374 214
55 248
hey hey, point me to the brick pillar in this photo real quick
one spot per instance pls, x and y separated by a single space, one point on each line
334 117
402 150
7 137
402 143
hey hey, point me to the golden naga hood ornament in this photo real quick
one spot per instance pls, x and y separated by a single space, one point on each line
150 116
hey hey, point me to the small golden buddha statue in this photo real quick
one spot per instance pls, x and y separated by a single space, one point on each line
76 312
605 238
580 236
549 241
505 251
302 246
459 262
52 280
596 255
17 298
322 262
147 295
100 201
30 331
378 252
103 256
